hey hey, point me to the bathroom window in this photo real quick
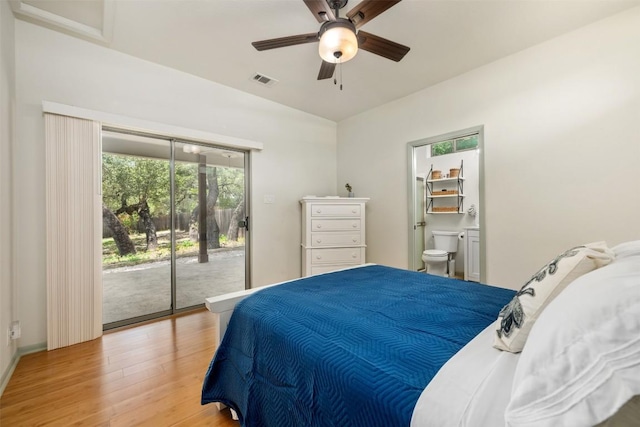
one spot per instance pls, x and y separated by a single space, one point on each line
449 146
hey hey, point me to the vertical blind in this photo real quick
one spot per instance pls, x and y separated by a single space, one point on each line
73 233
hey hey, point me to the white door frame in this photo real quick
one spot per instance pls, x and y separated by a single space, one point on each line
411 187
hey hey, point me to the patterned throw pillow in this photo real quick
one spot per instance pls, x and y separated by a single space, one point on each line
517 317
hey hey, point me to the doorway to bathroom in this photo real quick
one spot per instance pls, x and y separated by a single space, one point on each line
445 194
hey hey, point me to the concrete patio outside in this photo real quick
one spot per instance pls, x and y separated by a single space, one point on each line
146 288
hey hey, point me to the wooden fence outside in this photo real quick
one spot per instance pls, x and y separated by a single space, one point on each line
223 218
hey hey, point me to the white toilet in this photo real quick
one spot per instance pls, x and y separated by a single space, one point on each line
437 260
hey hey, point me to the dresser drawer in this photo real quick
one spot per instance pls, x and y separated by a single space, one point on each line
335 239
335 210
338 255
335 225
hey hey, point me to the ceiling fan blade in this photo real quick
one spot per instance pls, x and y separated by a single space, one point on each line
321 10
285 41
381 46
366 10
326 70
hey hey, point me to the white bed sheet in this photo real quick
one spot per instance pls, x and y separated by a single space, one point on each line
472 389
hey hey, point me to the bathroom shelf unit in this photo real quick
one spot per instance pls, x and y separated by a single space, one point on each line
455 195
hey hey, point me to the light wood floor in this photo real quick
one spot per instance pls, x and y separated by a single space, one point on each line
144 375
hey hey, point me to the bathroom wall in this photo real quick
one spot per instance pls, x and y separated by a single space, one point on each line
470 173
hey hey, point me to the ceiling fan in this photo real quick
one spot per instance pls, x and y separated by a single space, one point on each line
338 39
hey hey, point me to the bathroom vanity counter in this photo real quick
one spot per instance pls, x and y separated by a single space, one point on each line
472 253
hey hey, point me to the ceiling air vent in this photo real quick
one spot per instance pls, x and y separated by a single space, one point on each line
263 80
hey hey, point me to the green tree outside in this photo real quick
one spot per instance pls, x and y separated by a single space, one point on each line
138 189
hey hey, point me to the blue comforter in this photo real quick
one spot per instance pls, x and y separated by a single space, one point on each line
349 348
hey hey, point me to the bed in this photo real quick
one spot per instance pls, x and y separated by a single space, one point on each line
380 346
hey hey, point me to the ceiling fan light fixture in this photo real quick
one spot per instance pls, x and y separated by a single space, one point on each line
338 42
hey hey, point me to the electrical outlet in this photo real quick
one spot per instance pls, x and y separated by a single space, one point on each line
14 330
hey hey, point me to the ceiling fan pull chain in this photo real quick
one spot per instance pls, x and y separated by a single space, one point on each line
340 65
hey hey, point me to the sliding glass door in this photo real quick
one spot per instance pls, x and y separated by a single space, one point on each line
210 207
173 217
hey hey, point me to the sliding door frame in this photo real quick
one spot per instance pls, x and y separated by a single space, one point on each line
247 200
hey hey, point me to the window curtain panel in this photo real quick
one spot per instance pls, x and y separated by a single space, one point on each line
73 230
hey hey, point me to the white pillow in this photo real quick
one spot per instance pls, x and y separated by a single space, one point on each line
626 249
517 317
581 362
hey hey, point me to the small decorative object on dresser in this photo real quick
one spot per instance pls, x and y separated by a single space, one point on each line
333 233
349 189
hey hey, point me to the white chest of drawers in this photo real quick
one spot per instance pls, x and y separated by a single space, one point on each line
333 233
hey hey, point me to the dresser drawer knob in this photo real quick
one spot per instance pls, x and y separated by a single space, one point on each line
354 225
354 255
319 211
354 211
318 226
355 240
319 241
318 257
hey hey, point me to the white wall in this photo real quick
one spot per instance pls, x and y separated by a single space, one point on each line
7 96
561 149
299 155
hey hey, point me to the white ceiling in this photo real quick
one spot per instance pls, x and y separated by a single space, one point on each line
212 39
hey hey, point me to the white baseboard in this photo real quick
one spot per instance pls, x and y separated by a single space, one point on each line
6 376
21 351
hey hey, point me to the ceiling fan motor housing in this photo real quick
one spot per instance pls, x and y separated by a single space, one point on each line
337 4
338 42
